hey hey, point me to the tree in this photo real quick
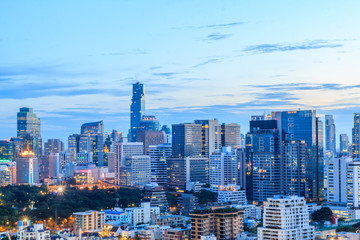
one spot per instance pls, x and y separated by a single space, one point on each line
345 229
205 196
323 214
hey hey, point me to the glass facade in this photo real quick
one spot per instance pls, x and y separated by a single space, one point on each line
137 109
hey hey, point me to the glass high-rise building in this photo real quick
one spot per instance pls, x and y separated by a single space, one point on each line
53 146
93 133
344 144
187 139
230 135
210 136
304 125
356 137
137 109
158 155
330 143
29 130
6 151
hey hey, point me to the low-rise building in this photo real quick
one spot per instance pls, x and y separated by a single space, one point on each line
176 234
35 232
232 194
143 214
250 211
89 221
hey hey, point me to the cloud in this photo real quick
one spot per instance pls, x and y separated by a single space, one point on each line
217 36
165 74
306 86
212 60
285 47
232 24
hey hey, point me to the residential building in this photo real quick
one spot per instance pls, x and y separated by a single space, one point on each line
286 218
155 194
250 211
231 194
336 179
224 223
143 214
89 221
34 232
176 234
223 168
187 203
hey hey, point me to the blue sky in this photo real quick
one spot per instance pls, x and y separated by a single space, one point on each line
75 61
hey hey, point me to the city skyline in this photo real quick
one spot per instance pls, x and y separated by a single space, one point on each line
228 61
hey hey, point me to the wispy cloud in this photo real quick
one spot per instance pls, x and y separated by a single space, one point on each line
211 26
211 60
217 36
306 86
285 47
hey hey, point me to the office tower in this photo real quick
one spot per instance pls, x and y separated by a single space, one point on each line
64 158
122 150
155 194
73 146
303 125
286 218
336 169
150 138
27 168
49 166
344 144
230 135
158 155
187 203
111 162
294 168
224 223
181 171
137 109
210 136
6 151
18 145
223 168
263 164
241 167
53 146
115 137
28 129
356 137
137 170
330 143
94 132
186 139
353 185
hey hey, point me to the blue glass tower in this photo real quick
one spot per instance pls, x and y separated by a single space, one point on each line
137 109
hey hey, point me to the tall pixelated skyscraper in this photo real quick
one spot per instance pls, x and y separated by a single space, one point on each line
330 143
356 136
137 109
28 129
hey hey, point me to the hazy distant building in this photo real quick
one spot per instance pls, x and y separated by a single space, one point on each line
330 143
137 109
150 138
53 146
187 139
230 135
210 136
344 144
73 146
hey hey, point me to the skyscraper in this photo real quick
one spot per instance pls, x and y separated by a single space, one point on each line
230 135
27 168
137 109
186 139
356 137
303 125
330 143
53 146
93 133
344 144
28 129
158 155
210 136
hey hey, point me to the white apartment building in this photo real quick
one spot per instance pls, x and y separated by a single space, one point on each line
231 193
286 218
336 179
250 211
142 214
223 168
89 221
35 232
